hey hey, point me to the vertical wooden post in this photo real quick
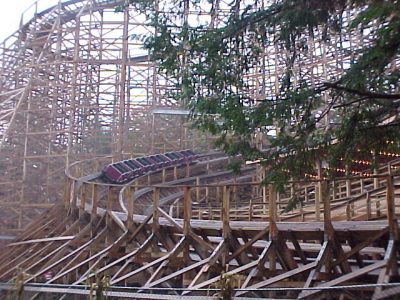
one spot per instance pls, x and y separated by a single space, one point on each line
163 175
110 199
272 223
67 193
368 202
225 221
187 210
318 192
130 207
83 199
156 198
264 190
225 211
187 215
74 194
376 172
122 85
109 205
391 208
361 186
250 210
94 201
187 169
175 173
272 203
197 189
348 183
327 201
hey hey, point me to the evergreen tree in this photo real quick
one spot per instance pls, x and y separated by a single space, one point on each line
347 113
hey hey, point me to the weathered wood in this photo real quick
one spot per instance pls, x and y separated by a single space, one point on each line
345 278
156 199
187 211
131 200
225 212
94 201
116 279
391 217
281 277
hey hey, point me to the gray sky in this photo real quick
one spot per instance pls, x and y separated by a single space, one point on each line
11 10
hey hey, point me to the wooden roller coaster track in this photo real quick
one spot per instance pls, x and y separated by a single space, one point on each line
70 90
176 233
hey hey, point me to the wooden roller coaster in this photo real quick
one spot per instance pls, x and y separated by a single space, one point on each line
78 93
179 232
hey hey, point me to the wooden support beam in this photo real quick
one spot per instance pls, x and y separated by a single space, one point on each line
63 259
131 200
156 199
187 215
280 277
128 258
249 243
260 264
115 279
391 215
357 248
384 275
344 278
322 256
187 211
94 201
218 252
318 193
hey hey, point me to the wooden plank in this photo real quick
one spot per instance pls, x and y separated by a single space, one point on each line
63 259
187 211
391 216
390 293
115 279
260 264
44 240
178 226
344 278
237 270
101 254
385 272
280 277
156 199
322 255
180 272
354 250
219 250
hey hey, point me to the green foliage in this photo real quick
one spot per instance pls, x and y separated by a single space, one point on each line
226 285
98 287
292 204
335 118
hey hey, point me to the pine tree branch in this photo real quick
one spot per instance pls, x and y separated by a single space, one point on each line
367 94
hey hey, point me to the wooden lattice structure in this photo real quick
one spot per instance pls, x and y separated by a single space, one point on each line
173 233
76 84
78 91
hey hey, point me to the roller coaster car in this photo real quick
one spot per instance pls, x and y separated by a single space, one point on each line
124 171
175 157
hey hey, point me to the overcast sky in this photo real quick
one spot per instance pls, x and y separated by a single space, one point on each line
11 10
